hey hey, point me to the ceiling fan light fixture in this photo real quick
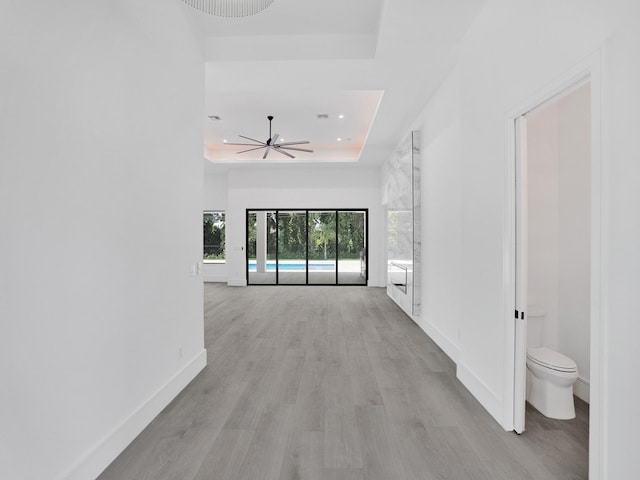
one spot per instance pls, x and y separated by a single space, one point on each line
229 8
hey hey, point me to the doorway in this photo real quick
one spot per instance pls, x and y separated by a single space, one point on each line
553 254
587 74
307 247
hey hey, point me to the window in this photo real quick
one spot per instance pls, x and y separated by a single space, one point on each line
213 240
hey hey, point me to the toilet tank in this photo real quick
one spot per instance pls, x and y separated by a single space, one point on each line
535 326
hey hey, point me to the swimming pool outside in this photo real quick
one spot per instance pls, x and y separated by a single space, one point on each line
296 266
314 265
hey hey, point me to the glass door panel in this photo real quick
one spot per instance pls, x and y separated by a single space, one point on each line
352 254
292 247
322 247
261 247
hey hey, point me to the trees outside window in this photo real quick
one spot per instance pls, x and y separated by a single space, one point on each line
213 240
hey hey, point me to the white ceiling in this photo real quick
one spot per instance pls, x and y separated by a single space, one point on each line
375 61
301 17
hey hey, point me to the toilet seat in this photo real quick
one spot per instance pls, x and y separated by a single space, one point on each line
551 359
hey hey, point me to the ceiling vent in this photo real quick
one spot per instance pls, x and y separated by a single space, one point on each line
323 116
215 118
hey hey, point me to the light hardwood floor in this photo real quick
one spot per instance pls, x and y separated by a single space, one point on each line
335 383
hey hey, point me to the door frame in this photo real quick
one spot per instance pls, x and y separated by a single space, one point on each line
588 70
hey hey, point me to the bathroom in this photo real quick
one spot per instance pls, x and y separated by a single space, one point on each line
559 230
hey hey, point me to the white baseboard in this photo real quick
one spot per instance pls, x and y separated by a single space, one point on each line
581 389
487 398
214 278
447 346
98 458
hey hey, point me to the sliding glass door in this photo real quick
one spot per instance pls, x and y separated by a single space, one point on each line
322 247
292 250
352 251
261 247
307 247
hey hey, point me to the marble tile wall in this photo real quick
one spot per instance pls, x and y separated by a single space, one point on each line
417 222
401 198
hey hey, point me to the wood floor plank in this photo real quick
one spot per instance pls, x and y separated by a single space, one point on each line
381 456
343 474
310 403
226 455
342 440
366 390
303 456
265 455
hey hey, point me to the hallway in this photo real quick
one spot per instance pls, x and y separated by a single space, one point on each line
329 383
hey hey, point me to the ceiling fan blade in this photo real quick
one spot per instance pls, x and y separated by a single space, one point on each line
266 152
294 148
251 149
279 150
252 139
247 144
302 142
274 139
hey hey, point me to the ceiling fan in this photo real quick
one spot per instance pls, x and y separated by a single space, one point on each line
272 143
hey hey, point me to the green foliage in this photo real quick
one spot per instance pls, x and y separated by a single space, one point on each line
214 232
320 235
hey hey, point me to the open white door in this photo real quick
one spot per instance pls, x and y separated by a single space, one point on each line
520 373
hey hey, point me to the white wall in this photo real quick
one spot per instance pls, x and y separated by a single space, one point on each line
215 199
515 49
621 329
442 218
302 187
100 223
543 152
574 295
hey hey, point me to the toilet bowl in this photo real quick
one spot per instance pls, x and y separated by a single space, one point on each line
550 379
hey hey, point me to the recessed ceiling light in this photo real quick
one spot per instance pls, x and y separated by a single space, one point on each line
225 140
340 116
339 139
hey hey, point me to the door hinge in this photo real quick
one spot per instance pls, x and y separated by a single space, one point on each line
519 315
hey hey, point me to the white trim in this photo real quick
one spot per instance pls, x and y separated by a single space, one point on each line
237 282
206 278
588 69
487 397
581 389
98 457
509 273
447 346
599 268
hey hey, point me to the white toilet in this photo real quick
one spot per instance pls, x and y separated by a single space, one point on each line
550 379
